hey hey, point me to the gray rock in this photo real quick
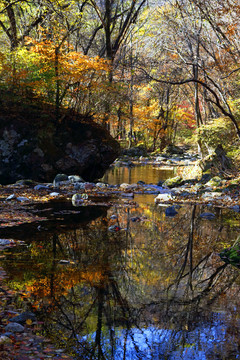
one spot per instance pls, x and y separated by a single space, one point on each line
22 199
4 242
78 199
124 186
170 211
207 215
236 208
64 262
59 178
54 194
14 327
11 197
114 228
163 197
127 195
40 187
75 178
5 340
79 185
22 318
101 185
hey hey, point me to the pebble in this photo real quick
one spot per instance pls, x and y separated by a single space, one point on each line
114 228
11 197
22 198
54 194
40 187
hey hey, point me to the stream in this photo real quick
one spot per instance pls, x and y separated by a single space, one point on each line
155 287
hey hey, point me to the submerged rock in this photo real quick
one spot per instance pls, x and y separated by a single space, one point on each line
171 211
207 215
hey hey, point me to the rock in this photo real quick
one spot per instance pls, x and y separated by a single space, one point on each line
89 186
42 149
41 187
75 178
217 163
22 318
78 199
59 178
114 228
54 194
135 151
207 215
205 178
24 182
5 340
127 195
135 219
11 197
236 208
14 327
102 185
212 195
64 262
4 242
173 149
124 186
170 211
177 180
163 197
79 186
214 182
160 183
22 199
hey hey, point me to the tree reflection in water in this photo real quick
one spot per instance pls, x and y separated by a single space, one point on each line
155 290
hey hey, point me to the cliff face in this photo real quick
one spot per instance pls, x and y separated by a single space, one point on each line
32 145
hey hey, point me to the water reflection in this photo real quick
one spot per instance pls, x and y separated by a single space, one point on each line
131 175
156 289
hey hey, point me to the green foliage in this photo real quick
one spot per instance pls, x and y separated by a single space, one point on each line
214 132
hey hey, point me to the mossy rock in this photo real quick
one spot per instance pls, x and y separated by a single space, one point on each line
214 182
173 182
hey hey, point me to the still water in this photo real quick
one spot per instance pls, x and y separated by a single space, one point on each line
155 289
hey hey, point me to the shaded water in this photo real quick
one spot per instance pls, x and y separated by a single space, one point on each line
156 289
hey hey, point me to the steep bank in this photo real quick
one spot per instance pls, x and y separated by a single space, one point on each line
33 145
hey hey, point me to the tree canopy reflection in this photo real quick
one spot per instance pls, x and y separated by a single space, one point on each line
155 289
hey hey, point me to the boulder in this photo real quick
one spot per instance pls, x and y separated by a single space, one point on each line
217 163
172 182
137 151
173 149
34 146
